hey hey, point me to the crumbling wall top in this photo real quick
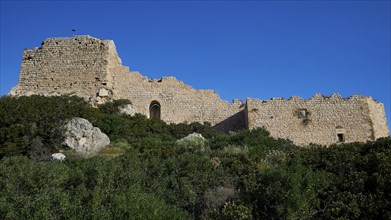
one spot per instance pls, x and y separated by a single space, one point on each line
336 97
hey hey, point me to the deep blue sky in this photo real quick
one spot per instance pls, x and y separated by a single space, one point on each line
240 49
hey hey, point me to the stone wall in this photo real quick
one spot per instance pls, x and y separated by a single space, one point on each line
179 102
378 119
77 65
89 67
358 118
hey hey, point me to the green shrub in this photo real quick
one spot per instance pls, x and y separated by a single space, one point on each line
84 189
32 125
360 176
146 173
113 107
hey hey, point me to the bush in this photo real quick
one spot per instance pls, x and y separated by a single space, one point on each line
113 107
146 173
360 176
85 189
32 125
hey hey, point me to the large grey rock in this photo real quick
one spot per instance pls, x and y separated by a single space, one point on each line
84 138
194 142
194 137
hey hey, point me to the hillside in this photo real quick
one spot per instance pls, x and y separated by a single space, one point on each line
146 173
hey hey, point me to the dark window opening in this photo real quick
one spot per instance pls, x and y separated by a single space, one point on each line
154 110
303 113
341 138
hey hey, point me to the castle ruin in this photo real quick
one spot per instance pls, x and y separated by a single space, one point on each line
90 68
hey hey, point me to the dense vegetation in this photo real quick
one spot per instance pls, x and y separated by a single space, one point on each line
146 174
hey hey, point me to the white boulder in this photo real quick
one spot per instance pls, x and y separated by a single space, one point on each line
84 138
127 110
194 142
58 156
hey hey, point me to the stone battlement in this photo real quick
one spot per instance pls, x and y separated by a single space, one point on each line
316 97
91 68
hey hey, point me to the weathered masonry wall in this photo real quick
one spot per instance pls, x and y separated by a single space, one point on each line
77 65
378 119
179 102
90 68
358 118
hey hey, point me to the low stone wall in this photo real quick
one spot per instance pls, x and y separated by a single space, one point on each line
321 120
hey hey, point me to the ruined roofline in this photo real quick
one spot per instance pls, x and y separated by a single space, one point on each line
54 39
76 36
152 80
167 79
316 97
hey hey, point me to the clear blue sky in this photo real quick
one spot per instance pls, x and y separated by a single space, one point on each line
260 49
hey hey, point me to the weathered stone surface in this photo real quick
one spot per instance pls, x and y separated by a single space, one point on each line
193 137
77 65
103 92
195 142
58 156
84 138
358 118
90 68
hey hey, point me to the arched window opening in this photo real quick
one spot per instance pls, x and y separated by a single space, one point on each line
154 110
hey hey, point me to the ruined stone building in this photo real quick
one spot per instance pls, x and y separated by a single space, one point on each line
90 68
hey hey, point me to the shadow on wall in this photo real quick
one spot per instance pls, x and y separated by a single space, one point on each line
234 123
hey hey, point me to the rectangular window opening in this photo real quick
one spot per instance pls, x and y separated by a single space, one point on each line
341 138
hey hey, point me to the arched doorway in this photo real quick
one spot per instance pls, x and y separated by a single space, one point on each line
154 110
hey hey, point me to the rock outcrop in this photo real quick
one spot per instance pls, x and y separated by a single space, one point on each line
58 156
194 142
127 110
194 137
84 138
